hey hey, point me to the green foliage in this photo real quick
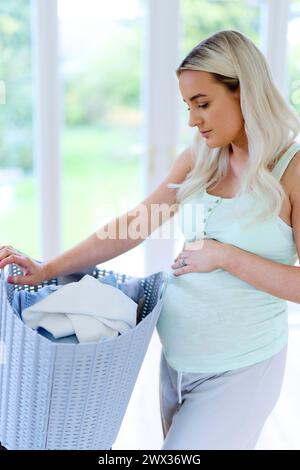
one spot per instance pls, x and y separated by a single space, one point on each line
294 78
201 18
15 72
109 80
112 79
97 175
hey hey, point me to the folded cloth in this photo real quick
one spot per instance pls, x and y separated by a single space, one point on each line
23 299
63 339
90 309
132 287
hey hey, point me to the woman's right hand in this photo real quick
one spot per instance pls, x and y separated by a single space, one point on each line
33 272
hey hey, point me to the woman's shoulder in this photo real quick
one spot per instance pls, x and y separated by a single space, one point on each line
291 175
282 153
293 168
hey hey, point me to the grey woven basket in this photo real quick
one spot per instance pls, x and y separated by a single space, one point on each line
69 396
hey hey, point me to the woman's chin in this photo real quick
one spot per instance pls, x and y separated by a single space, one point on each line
211 144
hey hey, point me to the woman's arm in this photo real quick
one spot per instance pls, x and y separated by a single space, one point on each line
277 279
111 240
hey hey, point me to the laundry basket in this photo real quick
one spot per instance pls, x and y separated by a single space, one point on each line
56 395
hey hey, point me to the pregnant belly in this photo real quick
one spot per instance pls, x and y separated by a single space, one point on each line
214 311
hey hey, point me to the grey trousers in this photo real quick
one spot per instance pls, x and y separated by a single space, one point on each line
222 411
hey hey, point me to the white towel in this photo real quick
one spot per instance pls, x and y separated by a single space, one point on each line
90 309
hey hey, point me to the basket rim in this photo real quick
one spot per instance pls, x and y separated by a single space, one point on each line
54 344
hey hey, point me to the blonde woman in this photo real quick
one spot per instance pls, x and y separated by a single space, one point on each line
223 326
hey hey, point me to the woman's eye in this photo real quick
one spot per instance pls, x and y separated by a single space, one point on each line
200 106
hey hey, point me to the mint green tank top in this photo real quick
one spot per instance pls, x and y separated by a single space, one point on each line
214 322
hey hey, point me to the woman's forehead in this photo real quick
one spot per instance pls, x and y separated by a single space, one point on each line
193 83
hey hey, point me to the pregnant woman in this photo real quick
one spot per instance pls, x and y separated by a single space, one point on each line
223 326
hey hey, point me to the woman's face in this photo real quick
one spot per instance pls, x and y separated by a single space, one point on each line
219 111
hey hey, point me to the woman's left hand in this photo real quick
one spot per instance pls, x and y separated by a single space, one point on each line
200 256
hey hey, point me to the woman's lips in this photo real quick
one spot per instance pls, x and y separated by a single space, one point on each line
205 134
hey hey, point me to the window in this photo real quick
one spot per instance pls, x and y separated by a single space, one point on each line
200 19
18 192
293 55
101 63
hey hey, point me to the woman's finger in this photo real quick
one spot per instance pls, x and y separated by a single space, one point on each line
17 259
6 246
6 251
177 257
29 280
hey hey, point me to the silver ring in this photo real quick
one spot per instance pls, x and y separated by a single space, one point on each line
183 263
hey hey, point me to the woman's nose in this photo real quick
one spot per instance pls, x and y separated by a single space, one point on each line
194 120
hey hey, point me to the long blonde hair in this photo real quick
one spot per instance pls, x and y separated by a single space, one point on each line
270 123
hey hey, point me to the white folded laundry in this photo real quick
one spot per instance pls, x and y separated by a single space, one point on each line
90 309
